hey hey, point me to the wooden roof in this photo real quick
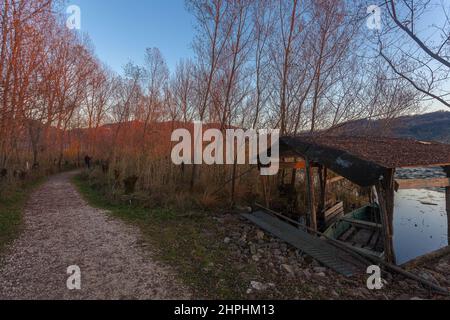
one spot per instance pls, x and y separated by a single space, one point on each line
364 160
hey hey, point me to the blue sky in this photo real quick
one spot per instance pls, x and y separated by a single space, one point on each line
121 30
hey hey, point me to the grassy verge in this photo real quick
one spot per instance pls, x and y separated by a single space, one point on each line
12 202
190 243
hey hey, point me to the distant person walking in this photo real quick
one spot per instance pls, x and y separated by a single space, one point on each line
87 161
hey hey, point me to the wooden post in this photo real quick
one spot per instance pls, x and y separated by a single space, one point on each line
310 192
265 191
447 202
293 190
233 183
323 173
294 175
385 191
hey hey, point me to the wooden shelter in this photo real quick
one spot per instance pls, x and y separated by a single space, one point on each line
367 162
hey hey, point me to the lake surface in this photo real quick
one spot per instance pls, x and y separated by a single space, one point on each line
420 218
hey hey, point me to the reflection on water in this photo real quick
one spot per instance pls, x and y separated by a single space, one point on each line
420 217
420 223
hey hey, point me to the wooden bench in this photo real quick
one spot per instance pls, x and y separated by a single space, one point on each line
334 213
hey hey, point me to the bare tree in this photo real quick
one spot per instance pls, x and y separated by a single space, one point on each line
182 87
419 55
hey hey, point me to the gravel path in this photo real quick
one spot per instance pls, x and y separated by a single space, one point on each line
62 230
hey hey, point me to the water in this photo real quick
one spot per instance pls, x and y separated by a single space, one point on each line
420 218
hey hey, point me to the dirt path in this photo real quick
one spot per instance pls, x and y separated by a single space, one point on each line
61 230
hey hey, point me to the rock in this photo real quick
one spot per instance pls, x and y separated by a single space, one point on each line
242 243
257 286
428 276
321 274
243 209
253 249
403 297
335 294
306 273
361 293
308 260
227 240
288 268
442 267
315 263
388 276
320 270
259 235
255 258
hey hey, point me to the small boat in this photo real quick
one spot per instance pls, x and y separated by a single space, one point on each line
361 230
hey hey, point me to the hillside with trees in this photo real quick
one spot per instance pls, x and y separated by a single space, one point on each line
433 126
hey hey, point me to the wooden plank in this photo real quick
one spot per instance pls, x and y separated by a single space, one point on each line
334 213
331 219
335 179
337 207
423 183
363 224
363 250
374 241
347 234
313 246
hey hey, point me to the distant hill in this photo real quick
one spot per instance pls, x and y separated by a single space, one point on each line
427 127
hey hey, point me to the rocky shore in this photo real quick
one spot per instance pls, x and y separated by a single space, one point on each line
281 271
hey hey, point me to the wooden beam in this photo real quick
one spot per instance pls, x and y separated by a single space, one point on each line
385 194
323 177
299 165
432 165
310 193
337 211
363 224
335 179
423 183
265 191
447 200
